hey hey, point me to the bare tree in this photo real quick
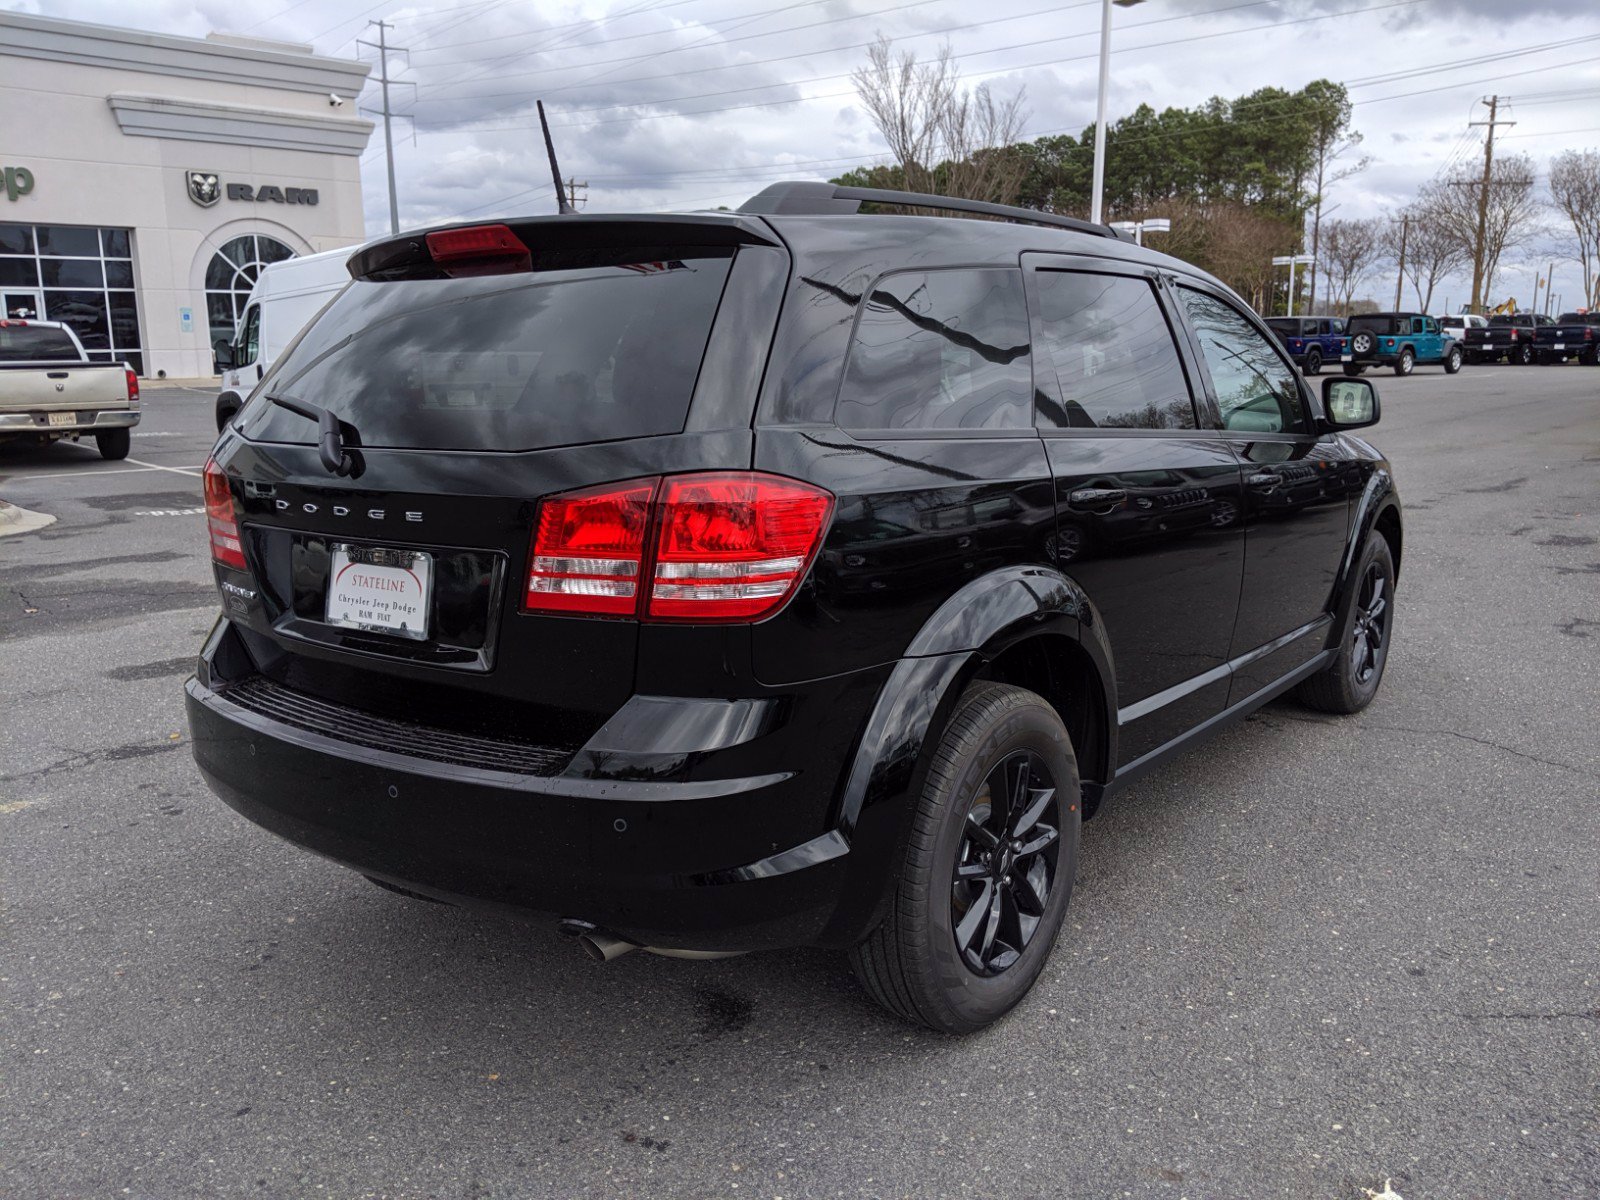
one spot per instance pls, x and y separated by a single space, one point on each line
1350 249
1432 251
1510 214
944 139
1575 191
1332 139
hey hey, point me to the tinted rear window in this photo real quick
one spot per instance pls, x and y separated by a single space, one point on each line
20 343
1380 325
1286 325
523 361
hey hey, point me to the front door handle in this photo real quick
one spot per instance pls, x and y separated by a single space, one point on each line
259 372
1096 497
1265 480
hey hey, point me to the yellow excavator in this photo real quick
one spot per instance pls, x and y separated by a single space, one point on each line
1509 308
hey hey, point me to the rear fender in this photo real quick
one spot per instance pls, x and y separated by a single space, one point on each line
967 632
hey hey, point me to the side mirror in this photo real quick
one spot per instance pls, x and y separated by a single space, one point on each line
1349 404
222 350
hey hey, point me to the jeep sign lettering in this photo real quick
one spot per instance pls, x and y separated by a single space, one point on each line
18 181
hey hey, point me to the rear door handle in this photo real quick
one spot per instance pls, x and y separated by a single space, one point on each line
1264 480
1096 497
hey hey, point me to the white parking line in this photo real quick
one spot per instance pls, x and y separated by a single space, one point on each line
18 478
194 472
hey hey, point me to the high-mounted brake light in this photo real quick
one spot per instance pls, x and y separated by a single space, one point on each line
6 324
479 249
220 519
588 550
725 546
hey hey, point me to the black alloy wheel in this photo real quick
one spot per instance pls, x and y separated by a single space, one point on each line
1313 361
1369 640
1521 354
1006 866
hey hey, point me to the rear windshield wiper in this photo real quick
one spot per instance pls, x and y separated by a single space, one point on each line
330 437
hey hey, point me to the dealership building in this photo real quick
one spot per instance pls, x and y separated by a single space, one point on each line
145 180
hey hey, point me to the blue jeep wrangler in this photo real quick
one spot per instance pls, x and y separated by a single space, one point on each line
1311 341
1400 340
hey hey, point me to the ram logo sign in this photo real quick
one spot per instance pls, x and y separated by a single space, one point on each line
206 188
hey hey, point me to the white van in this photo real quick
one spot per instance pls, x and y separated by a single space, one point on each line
285 298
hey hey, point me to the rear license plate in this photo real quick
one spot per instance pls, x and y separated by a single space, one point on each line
380 590
63 418
1344 358
1561 345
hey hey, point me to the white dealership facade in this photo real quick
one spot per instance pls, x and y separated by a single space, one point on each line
146 179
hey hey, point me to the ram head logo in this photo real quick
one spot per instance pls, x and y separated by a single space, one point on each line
204 189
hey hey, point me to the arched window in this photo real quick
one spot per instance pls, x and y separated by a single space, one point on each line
232 273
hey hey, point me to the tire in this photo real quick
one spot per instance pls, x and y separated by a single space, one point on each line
1521 354
911 963
1313 361
1353 369
1473 358
228 406
1406 363
1452 361
1363 343
1344 686
114 444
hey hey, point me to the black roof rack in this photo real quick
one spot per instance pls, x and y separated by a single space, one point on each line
809 198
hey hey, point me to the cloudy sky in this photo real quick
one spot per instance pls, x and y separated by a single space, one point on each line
689 103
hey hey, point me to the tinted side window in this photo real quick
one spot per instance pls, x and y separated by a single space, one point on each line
1107 353
1256 390
940 350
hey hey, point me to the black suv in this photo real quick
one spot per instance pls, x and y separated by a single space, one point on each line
724 581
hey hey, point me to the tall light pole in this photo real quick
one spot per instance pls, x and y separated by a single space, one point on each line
1140 228
1098 197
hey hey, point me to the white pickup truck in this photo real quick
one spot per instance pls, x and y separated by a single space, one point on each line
50 390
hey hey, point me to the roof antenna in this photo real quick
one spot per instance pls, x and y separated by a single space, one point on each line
562 206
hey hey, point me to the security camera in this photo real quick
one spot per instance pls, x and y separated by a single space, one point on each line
335 100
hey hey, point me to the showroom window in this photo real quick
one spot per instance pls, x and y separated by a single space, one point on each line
80 276
233 272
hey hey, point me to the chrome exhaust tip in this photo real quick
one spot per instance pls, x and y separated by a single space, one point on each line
602 947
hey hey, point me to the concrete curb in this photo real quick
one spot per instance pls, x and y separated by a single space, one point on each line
21 520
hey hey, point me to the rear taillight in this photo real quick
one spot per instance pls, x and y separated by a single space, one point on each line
732 547
713 547
1513 335
133 386
588 550
220 519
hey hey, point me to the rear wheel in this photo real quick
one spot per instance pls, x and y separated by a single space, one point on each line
1520 354
1350 681
1473 358
114 443
987 871
1313 361
1452 361
1354 368
1405 363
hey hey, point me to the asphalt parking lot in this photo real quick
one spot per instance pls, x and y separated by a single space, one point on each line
1311 956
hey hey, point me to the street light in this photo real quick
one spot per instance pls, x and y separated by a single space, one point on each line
1291 261
1140 228
1097 199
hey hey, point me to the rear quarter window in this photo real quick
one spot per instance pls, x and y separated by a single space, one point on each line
940 350
583 353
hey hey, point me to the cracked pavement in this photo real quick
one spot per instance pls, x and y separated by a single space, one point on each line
1310 956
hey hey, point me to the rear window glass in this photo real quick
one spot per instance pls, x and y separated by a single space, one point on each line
940 350
1380 325
22 343
521 361
1285 325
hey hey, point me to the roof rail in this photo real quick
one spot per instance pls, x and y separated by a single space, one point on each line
806 197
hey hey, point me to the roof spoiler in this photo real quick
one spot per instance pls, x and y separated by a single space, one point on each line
808 198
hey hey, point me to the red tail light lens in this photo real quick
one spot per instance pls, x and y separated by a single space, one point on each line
727 546
133 386
225 546
733 547
588 550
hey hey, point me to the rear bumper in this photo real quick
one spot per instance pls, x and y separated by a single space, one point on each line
38 421
659 861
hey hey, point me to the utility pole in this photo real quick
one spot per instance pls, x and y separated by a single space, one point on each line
1549 287
1483 199
572 190
383 49
1399 283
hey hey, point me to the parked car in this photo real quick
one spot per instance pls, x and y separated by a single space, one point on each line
1508 336
284 299
575 565
1457 324
1312 341
1571 335
49 390
1401 340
